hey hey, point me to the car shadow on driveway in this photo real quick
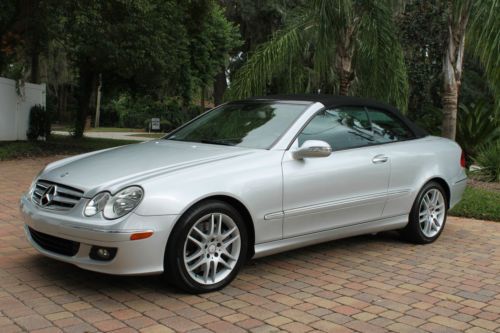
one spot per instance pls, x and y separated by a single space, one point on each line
81 282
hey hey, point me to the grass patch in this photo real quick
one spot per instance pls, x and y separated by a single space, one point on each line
99 129
479 203
115 129
149 135
56 145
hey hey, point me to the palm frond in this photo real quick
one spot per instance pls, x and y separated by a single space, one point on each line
302 57
274 57
380 66
484 38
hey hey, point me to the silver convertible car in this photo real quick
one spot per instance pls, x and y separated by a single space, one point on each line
244 180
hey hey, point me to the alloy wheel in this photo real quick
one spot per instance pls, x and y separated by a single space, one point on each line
212 248
432 212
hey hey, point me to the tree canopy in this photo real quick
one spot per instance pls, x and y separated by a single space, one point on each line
344 48
427 57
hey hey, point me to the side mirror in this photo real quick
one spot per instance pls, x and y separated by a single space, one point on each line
312 148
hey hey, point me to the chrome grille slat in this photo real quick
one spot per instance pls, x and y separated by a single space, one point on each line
62 197
68 192
59 198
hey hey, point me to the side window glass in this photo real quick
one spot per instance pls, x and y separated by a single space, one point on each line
388 128
342 128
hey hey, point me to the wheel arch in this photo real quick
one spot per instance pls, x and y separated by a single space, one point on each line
239 206
445 186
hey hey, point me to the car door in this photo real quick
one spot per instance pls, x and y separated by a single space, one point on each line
406 156
345 188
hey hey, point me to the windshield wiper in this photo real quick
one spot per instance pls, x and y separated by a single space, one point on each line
217 142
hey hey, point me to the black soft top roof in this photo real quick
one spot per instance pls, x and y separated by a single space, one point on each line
327 100
334 101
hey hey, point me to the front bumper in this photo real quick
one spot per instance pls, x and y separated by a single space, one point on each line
133 257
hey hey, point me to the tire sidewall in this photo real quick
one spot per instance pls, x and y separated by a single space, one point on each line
175 249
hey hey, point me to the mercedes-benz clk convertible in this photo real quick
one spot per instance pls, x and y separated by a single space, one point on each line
244 180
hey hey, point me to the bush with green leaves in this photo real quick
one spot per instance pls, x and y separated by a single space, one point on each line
39 123
137 111
488 159
477 125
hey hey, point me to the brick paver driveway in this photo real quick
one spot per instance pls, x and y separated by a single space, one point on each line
365 284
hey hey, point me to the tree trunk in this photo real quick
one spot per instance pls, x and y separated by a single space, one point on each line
345 82
35 68
452 69
220 87
64 100
59 96
343 59
202 99
98 103
87 81
450 107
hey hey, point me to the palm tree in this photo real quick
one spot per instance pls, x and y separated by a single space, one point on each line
344 47
479 21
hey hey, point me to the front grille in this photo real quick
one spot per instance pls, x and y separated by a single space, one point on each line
55 196
55 244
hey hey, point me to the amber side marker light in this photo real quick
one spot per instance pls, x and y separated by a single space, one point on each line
141 235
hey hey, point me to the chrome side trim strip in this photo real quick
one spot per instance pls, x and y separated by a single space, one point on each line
282 245
334 205
274 216
397 192
343 203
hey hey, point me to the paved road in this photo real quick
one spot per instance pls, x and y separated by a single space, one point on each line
110 135
363 284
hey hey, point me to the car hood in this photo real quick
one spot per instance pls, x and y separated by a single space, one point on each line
114 168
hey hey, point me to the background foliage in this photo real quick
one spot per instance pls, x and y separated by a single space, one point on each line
172 59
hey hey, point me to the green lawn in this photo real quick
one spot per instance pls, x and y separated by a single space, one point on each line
99 129
57 144
149 135
479 203
115 129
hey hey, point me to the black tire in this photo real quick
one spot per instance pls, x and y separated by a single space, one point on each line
175 268
413 232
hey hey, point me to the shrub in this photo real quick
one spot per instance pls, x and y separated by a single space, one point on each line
39 123
137 111
476 126
488 158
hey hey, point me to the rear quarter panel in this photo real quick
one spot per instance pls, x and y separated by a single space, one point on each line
414 163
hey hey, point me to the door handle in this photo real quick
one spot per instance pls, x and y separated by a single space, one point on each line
380 159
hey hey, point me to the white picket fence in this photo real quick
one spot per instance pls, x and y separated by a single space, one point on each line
15 107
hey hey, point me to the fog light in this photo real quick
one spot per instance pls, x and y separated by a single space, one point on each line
102 253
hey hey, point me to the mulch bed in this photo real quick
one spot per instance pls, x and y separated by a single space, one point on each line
484 185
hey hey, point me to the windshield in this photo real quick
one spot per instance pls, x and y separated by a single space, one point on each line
250 125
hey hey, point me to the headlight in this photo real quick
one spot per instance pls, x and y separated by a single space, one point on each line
96 204
117 205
